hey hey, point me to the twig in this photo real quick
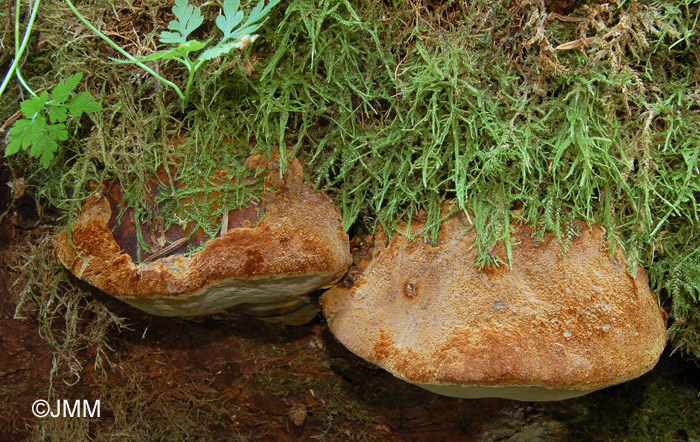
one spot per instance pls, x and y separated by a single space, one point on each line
10 121
567 18
165 250
224 222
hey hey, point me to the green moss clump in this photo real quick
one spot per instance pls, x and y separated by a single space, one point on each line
399 107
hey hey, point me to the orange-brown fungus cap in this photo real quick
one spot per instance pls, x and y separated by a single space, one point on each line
551 327
297 247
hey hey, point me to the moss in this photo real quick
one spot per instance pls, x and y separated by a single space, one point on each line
664 419
660 406
67 319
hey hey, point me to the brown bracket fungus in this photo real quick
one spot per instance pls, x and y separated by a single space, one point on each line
265 270
551 327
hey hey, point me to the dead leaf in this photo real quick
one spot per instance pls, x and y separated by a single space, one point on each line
575 44
298 414
18 187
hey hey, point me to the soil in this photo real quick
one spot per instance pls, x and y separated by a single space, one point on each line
243 379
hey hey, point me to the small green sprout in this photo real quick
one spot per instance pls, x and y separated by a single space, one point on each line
237 34
187 19
44 116
43 124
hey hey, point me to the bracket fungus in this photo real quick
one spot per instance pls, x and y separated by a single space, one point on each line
266 269
552 326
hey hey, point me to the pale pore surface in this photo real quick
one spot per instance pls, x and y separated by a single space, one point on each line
509 392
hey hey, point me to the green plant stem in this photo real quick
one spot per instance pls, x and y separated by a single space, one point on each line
17 8
22 46
24 83
122 51
189 85
17 45
191 69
